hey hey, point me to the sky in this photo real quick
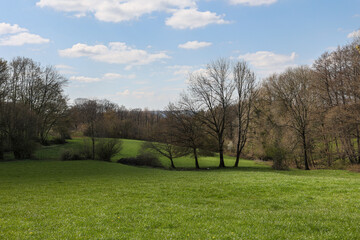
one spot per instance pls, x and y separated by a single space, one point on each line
139 53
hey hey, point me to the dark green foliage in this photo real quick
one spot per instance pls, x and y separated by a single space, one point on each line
278 155
107 148
68 155
144 158
23 149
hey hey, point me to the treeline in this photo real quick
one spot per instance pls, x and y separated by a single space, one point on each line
306 117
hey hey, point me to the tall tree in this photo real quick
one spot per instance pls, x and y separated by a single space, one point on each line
211 93
292 91
188 131
244 80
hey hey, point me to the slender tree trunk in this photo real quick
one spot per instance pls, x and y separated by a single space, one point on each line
238 151
196 159
93 148
172 163
358 144
306 160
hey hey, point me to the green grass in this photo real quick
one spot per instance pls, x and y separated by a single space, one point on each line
99 200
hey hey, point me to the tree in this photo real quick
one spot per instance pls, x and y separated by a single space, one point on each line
292 91
3 92
164 142
211 97
244 80
39 88
187 130
91 112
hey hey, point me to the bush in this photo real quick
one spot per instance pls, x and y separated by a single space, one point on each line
278 156
58 140
23 149
86 149
141 160
68 155
106 149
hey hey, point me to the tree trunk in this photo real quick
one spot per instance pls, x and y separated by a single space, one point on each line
305 152
172 163
222 162
93 148
196 159
358 144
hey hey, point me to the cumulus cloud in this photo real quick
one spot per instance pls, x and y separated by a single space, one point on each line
181 69
13 35
84 79
185 12
65 69
6 28
194 45
136 93
115 52
253 2
354 34
268 62
192 18
118 76
123 93
106 76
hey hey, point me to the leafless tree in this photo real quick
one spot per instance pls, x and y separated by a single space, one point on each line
188 131
211 93
292 91
244 80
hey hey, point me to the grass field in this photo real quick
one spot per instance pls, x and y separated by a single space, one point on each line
42 199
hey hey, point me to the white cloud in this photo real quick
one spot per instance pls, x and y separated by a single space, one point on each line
115 10
181 69
21 39
194 45
136 94
65 69
253 2
124 93
115 52
17 36
6 28
106 76
354 34
63 66
192 18
268 62
84 79
118 76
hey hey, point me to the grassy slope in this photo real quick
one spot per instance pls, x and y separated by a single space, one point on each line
99 200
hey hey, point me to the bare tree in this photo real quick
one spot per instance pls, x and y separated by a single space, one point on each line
164 142
188 131
39 88
292 91
91 113
211 93
244 80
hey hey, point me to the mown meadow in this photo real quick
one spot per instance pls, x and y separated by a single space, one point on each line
51 199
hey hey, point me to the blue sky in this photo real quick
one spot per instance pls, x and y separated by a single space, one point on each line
138 53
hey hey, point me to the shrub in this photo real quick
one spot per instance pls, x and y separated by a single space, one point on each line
68 155
141 160
23 149
278 155
107 148
86 149
58 140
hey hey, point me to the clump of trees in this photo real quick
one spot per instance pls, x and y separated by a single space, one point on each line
32 105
